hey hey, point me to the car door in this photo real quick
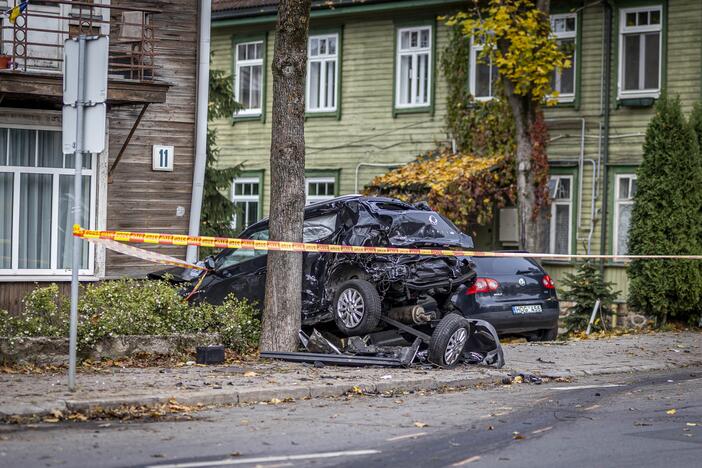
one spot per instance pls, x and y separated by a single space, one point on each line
240 272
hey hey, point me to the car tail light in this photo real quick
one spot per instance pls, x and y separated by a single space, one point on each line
548 282
483 285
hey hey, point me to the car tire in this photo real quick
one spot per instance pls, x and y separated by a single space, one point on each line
356 307
548 334
448 341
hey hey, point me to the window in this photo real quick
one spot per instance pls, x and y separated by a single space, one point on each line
414 63
564 30
322 73
483 74
36 204
248 86
320 189
246 200
640 51
561 214
625 188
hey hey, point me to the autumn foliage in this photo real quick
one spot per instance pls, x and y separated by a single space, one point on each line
462 187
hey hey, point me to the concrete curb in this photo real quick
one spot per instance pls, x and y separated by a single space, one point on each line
283 393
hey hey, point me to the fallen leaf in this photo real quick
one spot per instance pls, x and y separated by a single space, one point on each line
691 424
275 401
671 411
517 436
235 454
250 374
51 420
420 424
518 379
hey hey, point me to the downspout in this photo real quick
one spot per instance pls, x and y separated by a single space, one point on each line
607 91
203 75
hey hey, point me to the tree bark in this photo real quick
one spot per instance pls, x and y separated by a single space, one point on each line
283 300
532 225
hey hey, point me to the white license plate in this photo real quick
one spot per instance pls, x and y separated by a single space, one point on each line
526 309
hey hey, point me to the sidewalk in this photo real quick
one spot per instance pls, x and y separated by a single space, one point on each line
27 395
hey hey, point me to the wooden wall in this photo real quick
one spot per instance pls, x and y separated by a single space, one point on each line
140 199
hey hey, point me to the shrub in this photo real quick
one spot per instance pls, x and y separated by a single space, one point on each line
584 288
133 307
666 219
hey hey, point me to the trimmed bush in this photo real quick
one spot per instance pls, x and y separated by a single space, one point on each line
584 288
133 307
666 219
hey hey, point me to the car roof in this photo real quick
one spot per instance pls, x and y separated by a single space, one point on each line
321 205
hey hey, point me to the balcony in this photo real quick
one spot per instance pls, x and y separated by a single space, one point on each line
33 50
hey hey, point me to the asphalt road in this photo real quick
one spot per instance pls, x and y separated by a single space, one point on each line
615 421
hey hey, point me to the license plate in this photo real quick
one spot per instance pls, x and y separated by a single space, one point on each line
526 309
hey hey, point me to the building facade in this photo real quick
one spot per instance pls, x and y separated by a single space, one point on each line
143 179
376 98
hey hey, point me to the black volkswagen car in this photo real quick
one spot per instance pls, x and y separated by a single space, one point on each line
515 295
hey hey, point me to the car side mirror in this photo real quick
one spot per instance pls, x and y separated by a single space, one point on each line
210 263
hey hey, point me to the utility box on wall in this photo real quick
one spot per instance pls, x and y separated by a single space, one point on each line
163 158
509 227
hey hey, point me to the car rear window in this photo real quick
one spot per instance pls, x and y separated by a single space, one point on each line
503 266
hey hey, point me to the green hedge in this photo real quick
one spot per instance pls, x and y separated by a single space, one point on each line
132 307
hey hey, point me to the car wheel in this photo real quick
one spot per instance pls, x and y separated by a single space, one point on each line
448 340
549 334
356 307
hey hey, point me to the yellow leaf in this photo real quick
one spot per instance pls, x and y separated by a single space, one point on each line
420 424
671 411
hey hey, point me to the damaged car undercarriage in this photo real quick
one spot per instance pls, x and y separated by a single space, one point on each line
382 302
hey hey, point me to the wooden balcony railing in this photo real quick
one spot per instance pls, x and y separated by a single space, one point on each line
34 42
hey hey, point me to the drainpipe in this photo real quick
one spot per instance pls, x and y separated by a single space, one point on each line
203 75
606 92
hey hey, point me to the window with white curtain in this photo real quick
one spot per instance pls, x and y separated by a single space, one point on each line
564 30
640 51
322 72
319 189
36 201
246 200
248 76
625 189
560 236
414 64
482 74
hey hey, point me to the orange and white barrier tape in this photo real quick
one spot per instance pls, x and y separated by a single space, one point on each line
249 244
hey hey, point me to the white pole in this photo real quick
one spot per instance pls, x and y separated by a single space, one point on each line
203 78
77 215
592 317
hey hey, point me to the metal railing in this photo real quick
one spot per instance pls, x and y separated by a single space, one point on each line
34 42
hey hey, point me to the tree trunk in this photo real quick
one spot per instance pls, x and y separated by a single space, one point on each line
532 225
283 301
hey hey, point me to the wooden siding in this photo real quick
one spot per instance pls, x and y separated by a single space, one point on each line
366 132
139 198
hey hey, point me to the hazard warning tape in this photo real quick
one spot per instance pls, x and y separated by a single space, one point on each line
250 244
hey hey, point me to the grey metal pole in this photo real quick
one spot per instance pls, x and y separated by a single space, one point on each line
77 215
592 317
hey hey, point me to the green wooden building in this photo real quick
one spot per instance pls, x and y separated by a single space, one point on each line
376 98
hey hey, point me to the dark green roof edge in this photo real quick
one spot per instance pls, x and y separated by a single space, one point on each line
270 17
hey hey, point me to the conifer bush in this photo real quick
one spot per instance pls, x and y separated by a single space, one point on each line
584 288
667 220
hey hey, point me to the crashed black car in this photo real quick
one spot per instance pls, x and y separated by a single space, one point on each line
363 293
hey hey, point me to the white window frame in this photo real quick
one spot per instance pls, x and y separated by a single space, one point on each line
323 59
238 64
245 198
309 199
552 221
475 50
617 204
414 53
54 272
624 30
569 97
